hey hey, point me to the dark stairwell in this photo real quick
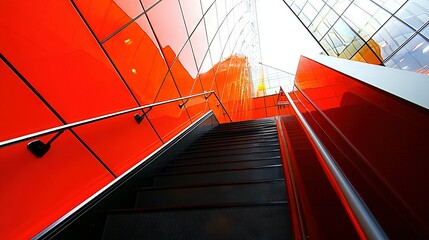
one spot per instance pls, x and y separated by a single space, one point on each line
228 184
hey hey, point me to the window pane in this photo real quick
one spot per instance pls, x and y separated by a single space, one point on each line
309 12
339 5
323 22
412 57
352 48
415 13
340 36
366 55
392 35
365 18
390 5
425 31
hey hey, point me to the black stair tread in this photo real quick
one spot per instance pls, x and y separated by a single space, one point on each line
241 127
230 157
268 191
211 177
222 165
249 122
235 140
228 152
225 160
255 141
229 147
220 134
254 222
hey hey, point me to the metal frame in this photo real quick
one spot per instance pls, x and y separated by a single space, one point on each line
110 115
367 222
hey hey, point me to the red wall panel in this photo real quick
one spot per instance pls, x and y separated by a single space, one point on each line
38 191
377 139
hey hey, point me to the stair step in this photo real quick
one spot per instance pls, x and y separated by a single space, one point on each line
235 140
254 127
221 165
229 147
228 152
268 191
245 141
234 134
229 157
248 222
219 177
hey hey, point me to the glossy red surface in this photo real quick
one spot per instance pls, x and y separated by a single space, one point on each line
87 59
377 139
33 195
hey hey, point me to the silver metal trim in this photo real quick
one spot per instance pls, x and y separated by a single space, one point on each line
366 220
65 216
110 115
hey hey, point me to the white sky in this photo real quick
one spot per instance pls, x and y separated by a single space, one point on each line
283 38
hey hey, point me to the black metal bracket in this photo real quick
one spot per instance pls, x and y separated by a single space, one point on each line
139 118
183 103
207 97
39 148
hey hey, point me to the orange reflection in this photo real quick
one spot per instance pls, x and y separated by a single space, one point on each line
366 55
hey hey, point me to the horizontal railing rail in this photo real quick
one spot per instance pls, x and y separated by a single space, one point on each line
367 222
60 129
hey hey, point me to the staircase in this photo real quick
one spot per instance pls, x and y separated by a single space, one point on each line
229 184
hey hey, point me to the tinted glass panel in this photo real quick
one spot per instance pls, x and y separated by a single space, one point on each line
415 13
392 35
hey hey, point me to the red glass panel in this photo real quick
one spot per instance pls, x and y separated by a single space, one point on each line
170 30
192 12
38 191
107 16
169 119
200 47
137 57
196 106
376 139
120 142
183 69
21 111
63 62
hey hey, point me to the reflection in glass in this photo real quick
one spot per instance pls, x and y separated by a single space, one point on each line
367 54
425 31
414 56
392 35
339 5
339 37
323 22
415 13
365 18
390 5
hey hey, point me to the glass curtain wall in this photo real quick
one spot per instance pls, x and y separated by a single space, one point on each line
393 33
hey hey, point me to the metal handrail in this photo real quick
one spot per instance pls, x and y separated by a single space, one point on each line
106 116
367 222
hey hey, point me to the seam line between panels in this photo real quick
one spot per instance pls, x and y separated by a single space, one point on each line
192 49
166 63
106 54
111 61
212 40
129 23
49 106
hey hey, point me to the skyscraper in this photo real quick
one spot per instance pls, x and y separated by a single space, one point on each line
393 33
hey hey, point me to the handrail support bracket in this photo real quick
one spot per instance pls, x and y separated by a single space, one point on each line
39 148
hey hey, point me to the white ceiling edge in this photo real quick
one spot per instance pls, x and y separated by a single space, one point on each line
411 86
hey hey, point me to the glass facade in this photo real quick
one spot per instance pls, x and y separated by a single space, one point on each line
393 33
